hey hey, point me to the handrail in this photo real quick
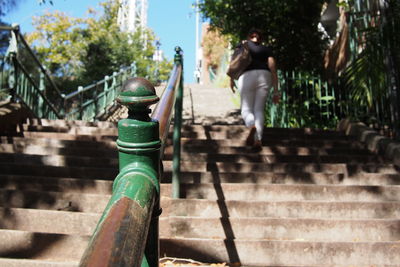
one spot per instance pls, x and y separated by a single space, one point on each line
163 110
80 104
127 233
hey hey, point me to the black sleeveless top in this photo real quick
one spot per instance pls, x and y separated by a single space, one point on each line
259 54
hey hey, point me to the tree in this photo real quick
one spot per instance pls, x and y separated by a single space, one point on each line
291 27
7 5
214 46
80 51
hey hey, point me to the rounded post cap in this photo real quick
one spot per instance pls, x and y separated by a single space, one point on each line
178 49
137 93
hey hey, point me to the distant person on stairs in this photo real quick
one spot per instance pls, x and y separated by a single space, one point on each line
254 85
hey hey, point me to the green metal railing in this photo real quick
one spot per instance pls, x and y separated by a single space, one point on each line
31 84
307 101
372 78
127 233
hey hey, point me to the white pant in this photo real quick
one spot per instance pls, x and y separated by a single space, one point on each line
254 86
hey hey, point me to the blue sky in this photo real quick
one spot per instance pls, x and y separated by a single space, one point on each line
173 22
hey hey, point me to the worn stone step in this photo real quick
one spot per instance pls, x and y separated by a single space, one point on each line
72 130
287 253
56 247
268 135
110 158
88 168
189 151
279 209
349 169
279 192
62 151
55 184
57 160
41 246
94 200
57 143
67 136
230 131
48 200
255 158
78 223
75 201
75 123
279 142
242 128
362 178
98 173
44 182
273 150
36 263
93 140
34 220
298 229
224 146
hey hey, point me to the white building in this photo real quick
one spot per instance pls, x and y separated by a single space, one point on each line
132 14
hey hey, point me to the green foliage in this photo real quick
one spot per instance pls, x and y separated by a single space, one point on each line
375 69
291 27
306 102
7 5
80 51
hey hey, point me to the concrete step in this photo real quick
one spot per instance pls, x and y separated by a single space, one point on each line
255 158
298 229
199 131
42 221
284 253
90 184
273 150
55 184
72 130
103 158
18 244
68 136
98 173
61 139
362 178
19 141
187 150
198 166
279 209
57 160
279 142
241 128
287 192
35 263
348 169
94 203
41 246
305 229
48 200
75 123
61 151
267 135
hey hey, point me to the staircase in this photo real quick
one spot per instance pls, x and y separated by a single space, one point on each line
309 198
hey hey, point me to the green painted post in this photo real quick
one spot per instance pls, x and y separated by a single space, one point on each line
139 149
42 89
176 167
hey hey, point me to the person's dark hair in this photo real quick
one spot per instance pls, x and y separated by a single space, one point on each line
257 31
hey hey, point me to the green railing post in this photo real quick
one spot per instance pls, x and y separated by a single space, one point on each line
139 144
176 166
131 216
41 101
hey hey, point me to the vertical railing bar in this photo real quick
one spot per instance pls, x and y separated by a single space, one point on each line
176 167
